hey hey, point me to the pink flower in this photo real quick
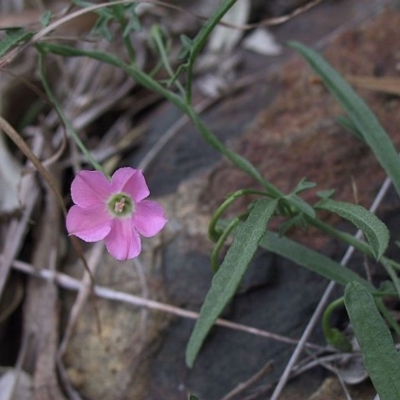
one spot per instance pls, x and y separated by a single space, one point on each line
115 211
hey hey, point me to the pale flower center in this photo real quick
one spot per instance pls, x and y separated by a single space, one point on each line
121 205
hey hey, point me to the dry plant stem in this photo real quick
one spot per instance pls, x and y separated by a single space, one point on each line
18 365
56 24
85 290
145 294
17 139
322 303
241 387
200 107
87 117
119 138
15 234
21 356
277 20
328 362
9 130
41 316
65 381
344 387
17 228
315 361
21 144
57 154
70 283
53 158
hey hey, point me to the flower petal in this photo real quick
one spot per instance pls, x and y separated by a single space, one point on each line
90 189
149 218
89 224
123 242
130 181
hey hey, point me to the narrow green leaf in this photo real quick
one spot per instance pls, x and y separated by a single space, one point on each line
45 18
200 40
207 28
133 24
12 39
304 185
381 359
310 259
187 44
70 51
296 220
326 194
375 231
230 273
363 119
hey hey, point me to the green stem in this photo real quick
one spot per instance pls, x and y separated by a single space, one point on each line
200 41
214 232
332 335
156 34
221 241
64 119
119 13
236 159
389 265
130 49
149 83
387 315
392 273
343 236
394 264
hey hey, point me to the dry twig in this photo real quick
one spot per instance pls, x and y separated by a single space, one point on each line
70 283
241 387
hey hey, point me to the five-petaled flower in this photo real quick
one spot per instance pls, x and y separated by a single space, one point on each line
114 211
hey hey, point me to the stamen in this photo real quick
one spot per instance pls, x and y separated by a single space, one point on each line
119 205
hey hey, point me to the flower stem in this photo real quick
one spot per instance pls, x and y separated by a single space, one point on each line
64 119
149 83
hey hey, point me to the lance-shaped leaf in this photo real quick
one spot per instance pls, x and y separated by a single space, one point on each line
381 359
364 121
310 259
230 273
375 231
